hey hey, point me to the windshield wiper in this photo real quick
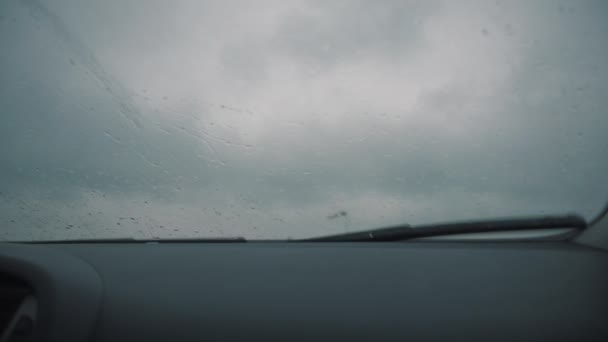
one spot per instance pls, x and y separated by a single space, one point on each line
394 233
405 232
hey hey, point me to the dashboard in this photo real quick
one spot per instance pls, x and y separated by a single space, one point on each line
296 291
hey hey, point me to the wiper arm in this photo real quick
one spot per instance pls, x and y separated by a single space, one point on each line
405 232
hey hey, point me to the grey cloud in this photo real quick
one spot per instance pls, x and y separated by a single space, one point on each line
516 131
328 33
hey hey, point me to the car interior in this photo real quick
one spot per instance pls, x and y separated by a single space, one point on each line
303 170
443 286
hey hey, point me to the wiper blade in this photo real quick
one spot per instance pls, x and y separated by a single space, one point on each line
405 232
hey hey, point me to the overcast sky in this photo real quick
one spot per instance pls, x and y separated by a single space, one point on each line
267 119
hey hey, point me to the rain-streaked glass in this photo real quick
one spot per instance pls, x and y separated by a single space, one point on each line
288 119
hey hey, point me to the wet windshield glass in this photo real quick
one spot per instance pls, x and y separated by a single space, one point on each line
277 119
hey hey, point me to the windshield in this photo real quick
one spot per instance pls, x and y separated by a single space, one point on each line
290 119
